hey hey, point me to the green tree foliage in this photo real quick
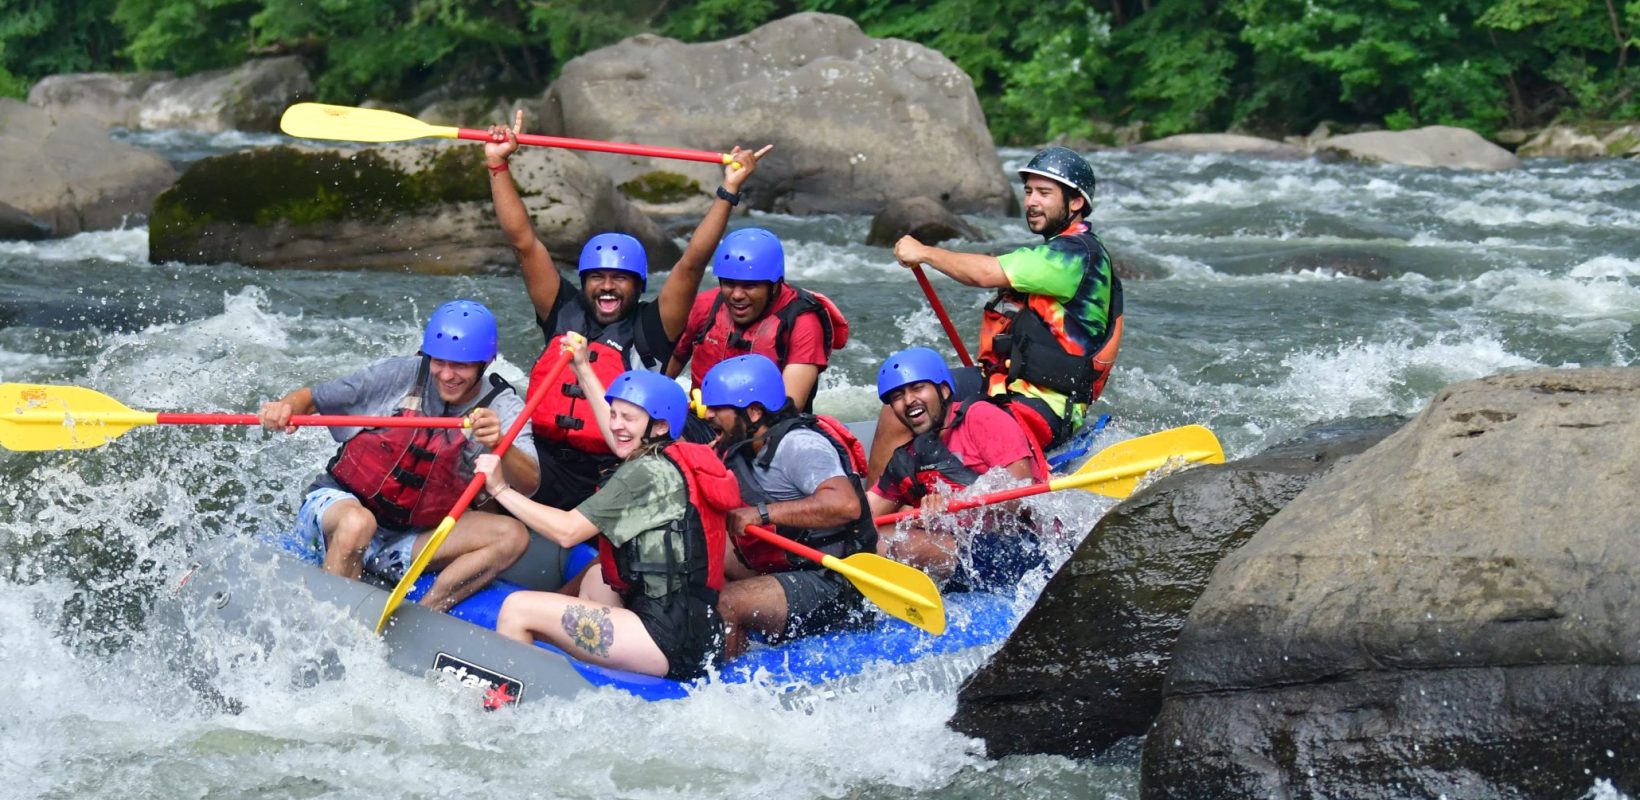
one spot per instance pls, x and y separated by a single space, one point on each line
1040 70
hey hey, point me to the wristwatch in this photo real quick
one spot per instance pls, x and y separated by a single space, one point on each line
763 511
733 198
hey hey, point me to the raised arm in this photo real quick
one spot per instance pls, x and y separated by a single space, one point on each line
541 279
678 293
590 386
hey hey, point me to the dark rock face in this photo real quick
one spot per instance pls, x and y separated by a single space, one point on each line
424 207
856 121
922 218
1085 668
16 225
1455 611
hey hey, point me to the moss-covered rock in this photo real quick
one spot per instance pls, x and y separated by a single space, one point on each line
661 186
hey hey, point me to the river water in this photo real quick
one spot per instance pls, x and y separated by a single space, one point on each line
1279 294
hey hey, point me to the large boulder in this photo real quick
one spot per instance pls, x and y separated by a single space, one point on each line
1569 141
62 171
249 97
1433 146
855 121
922 218
423 207
17 225
1084 669
1454 612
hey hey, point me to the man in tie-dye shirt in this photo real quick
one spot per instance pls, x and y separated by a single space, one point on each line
1051 334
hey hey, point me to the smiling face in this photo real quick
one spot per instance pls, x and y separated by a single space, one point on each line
1048 205
746 300
457 381
629 425
611 293
920 406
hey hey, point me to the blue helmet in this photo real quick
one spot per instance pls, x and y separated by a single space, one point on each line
616 251
742 381
460 330
661 397
750 254
910 366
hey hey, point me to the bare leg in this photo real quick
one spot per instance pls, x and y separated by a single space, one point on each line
755 604
931 551
479 547
348 528
593 632
891 434
733 568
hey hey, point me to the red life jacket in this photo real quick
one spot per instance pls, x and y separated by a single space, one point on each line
699 533
410 478
1025 337
842 541
925 464
769 336
564 416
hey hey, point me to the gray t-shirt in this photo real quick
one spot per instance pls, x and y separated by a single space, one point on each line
378 389
804 460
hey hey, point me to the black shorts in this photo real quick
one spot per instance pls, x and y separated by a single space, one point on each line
687 630
569 476
819 600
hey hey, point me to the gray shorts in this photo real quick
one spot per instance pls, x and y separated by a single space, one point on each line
820 600
390 552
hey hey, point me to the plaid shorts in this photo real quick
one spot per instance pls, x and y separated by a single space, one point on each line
390 551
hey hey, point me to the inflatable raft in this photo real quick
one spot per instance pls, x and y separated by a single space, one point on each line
462 649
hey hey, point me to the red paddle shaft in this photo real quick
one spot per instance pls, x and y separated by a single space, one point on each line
657 151
945 320
312 420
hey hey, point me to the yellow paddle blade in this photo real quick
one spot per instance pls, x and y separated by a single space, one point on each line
1115 470
349 124
37 417
904 592
418 566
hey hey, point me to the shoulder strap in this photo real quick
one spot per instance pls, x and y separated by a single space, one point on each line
711 318
802 303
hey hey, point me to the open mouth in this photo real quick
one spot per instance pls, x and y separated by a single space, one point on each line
608 303
915 414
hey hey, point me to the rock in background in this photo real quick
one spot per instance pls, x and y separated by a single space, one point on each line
249 97
1454 612
1432 146
855 121
421 207
62 171
922 218
1084 669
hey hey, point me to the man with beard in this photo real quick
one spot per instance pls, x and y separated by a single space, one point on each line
799 475
755 311
374 505
953 443
622 332
1050 336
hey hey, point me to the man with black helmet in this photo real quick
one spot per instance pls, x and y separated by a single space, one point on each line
1050 336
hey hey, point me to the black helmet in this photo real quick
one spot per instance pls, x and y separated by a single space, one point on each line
1064 165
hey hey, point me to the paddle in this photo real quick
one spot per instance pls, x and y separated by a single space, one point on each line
1112 472
38 417
538 392
939 311
349 124
904 592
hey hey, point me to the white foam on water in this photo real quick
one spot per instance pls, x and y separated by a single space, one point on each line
21 367
1494 215
1603 790
123 246
1363 378
1600 289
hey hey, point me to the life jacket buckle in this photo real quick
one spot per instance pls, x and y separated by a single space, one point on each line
574 390
569 423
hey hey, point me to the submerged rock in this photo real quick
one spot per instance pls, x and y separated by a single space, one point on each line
1432 146
62 171
856 121
423 207
1084 669
923 218
1456 611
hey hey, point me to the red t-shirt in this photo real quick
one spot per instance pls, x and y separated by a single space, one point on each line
808 340
988 438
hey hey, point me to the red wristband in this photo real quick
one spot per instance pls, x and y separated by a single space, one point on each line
497 169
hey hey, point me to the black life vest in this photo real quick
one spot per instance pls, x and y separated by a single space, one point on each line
1018 342
925 464
842 541
699 534
409 478
564 417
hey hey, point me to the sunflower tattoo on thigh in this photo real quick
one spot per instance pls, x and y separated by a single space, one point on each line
589 629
